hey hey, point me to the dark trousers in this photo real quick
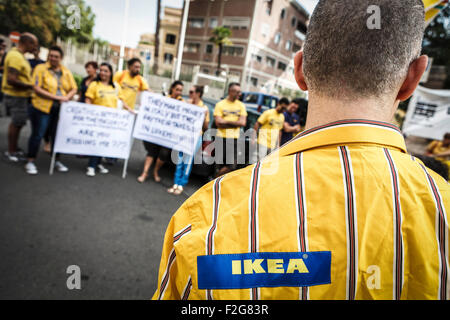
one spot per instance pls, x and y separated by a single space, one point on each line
40 123
94 162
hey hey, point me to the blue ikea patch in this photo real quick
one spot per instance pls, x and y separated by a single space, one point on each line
264 269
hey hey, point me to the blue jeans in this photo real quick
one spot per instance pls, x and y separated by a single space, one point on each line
39 123
184 166
94 162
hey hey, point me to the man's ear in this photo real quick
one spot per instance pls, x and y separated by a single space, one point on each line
415 72
298 68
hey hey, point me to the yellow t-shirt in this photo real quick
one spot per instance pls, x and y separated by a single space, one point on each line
437 147
229 111
44 77
341 212
130 86
271 123
15 59
104 95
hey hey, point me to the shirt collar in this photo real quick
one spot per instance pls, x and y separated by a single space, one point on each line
345 132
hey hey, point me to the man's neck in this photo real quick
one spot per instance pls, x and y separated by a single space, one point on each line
231 100
21 49
195 101
325 110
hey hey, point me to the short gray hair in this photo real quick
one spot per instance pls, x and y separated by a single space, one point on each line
343 56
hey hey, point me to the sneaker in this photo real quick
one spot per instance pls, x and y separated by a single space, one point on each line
30 168
60 167
90 172
102 169
11 157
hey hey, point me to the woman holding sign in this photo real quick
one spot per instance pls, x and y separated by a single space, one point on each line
103 92
154 151
185 161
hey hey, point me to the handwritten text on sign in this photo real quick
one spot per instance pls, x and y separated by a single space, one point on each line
170 123
94 130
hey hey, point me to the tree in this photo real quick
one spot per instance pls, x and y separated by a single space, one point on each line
158 27
436 41
77 20
221 37
35 16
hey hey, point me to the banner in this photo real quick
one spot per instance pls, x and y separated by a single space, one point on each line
94 131
428 114
169 123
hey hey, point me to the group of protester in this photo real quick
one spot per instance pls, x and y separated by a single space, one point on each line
35 89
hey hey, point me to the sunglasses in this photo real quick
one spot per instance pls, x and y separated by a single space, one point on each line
191 92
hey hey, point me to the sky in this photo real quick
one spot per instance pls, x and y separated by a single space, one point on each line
142 18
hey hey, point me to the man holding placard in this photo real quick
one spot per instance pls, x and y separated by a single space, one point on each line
53 85
131 82
230 115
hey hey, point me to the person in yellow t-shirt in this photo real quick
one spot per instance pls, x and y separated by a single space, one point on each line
53 85
17 87
103 92
131 82
342 212
269 128
230 115
440 150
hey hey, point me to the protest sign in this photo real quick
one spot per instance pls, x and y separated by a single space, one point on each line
428 114
94 131
169 123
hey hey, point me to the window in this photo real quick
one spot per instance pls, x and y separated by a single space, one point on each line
265 29
283 13
233 51
251 98
277 38
294 21
205 71
192 47
269 7
213 23
209 48
270 62
168 58
171 38
196 22
288 45
254 81
296 47
282 66
236 23
257 58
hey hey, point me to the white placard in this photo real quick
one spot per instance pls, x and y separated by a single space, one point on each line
169 123
428 114
93 130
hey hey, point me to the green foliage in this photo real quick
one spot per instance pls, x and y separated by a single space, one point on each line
64 9
78 79
436 41
47 19
36 16
221 37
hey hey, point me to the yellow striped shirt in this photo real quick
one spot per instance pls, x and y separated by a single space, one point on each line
346 190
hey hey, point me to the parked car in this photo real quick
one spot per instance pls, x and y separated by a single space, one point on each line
258 102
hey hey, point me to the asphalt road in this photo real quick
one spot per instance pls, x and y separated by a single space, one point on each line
111 228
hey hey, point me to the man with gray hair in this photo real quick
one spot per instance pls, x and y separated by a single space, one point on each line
348 214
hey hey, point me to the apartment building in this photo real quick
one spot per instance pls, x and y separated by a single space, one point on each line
169 35
265 36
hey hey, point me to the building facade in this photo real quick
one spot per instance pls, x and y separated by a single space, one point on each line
265 36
